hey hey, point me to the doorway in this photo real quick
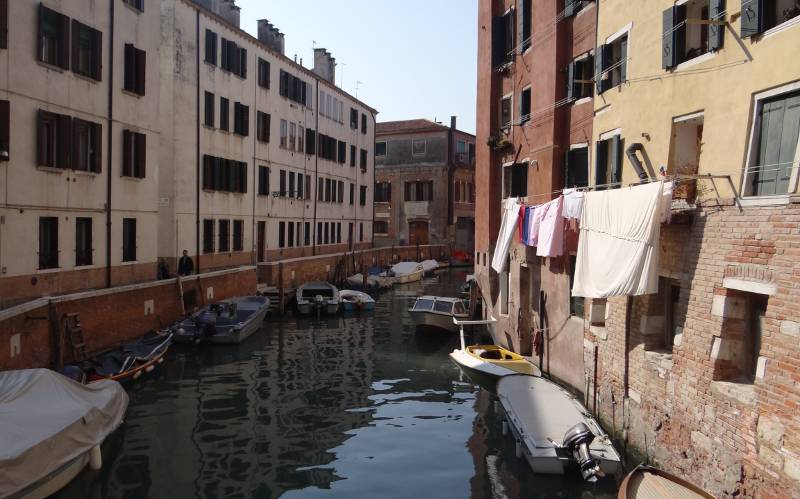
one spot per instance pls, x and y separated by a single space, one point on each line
417 233
687 145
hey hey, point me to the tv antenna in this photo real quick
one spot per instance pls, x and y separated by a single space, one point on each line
358 84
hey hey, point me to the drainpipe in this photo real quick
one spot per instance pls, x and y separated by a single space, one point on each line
110 139
450 171
637 165
316 170
197 142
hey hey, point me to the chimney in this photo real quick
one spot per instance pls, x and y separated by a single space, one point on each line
325 65
270 36
453 122
225 9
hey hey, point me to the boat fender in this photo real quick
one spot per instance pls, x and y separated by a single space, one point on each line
181 330
149 368
577 440
95 458
505 427
137 374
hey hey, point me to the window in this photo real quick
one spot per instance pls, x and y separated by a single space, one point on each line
290 235
352 193
83 241
608 162
300 186
380 148
353 118
320 189
525 13
241 119
262 126
577 168
774 145
419 191
353 156
53 137
342 151
263 181
363 160
238 235
87 50
503 39
505 112
326 238
576 303
579 77
301 134
308 187
86 146
5 143
225 175
224 114
611 63
234 58
338 232
340 191
383 192
284 133
3 24
758 17
683 39
48 242
209 110
292 135
282 183
293 88
328 190
211 47
128 239
134 147
291 185
363 123
53 38
281 234
307 234
418 147
208 236
319 233
135 63
380 227
361 232
263 73
672 311
224 233
515 180
311 141
524 106
136 4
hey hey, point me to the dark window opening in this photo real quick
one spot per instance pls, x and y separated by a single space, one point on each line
224 235
128 239
238 235
225 175
503 39
53 37
290 235
515 180
241 119
48 242
224 114
307 234
576 303
353 118
580 78
208 236
524 18
419 191
87 50
263 73
608 163
234 58
352 193
383 192
381 227
525 106
83 241
54 134
263 181
363 162
86 146
577 168
380 149
135 67
5 132
281 234
282 183
262 126
209 110
293 88
211 47
505 112
363 123
611 61
134 153
342 151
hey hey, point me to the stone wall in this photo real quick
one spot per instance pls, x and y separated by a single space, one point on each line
699 407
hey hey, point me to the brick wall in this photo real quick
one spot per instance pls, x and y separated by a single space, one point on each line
108 316
690 405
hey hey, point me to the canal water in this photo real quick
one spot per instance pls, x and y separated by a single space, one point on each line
357 406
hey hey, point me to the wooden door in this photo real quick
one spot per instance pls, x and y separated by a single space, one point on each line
417 233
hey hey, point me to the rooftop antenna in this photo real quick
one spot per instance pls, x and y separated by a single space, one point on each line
341 73
358 83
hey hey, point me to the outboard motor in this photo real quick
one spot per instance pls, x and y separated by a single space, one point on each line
206 325
577 440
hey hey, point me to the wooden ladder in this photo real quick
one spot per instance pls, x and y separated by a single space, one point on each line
74 333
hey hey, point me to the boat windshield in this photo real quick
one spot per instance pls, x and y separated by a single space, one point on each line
443 306
458 308
423 304
310 293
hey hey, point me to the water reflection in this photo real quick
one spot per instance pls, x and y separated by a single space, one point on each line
353 406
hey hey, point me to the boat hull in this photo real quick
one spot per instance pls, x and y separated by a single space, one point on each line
429 319
493 368
652 483
409 278
186 331
55 481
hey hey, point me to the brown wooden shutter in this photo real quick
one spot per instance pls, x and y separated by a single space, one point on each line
141 64
141 155
5 143
3 24
97 55
127 162
130 58
63 141
97 139
75 44
63 46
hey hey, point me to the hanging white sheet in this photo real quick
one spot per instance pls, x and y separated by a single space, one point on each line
573 203
618 246
507 226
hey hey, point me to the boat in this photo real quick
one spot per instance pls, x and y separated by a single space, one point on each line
374 282
555 433
405 272
128 362
51 427
493 360
317 296
429 267
438 312
352 301
227 321
651 483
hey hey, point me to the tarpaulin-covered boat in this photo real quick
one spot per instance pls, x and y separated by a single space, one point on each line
352 301
130 361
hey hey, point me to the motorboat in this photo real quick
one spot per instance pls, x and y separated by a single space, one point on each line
352 301
317 296
374 282
227 321
128 362
51 428
652 483
493 360
405 272
438 312
555 433
429 267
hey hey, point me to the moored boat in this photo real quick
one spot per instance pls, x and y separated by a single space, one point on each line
555 432
227 321
429 267
492 360
438 312
405 272
317 296
352 301
51 427
128 362
645 482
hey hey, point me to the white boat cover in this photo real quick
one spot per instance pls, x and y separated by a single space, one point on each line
47 420
618 247
355 296
428 265
404 268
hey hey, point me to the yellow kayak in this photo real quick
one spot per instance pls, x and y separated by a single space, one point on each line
493 360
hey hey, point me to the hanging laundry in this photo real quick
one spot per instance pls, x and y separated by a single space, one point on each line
526 223
573 203
666 202
507 226
521 222
533 226
550 241
618 246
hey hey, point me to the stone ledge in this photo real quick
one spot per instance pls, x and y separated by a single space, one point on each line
660 360
740 393
599 331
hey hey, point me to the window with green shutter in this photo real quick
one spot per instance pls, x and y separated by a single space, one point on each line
778 127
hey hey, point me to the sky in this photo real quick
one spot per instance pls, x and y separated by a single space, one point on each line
414 58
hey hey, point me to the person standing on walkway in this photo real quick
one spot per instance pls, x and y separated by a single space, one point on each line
185 264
